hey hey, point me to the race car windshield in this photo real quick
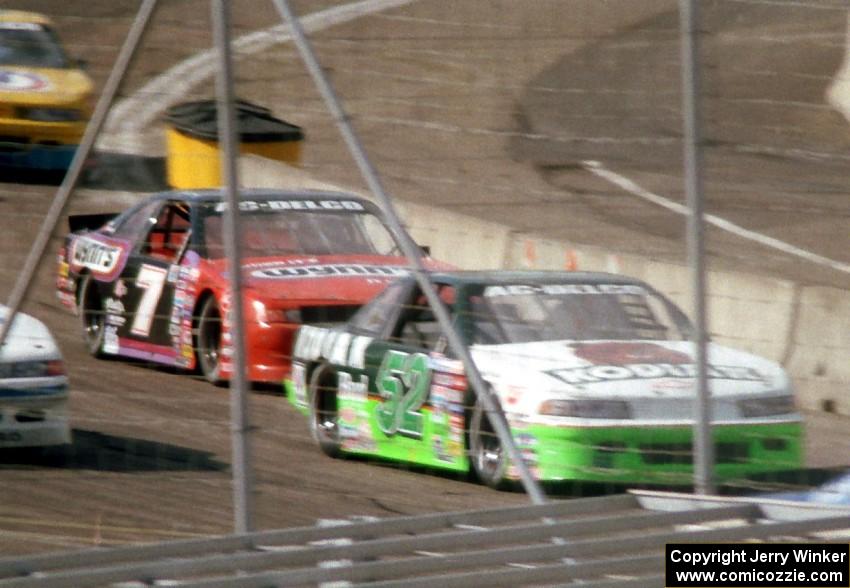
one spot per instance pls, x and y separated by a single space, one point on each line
575 312
269 234
30 46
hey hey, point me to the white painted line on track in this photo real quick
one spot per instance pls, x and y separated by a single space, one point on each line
596 168
129 118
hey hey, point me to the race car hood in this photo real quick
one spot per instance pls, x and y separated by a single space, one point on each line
654 376
321 278
44 86
28 339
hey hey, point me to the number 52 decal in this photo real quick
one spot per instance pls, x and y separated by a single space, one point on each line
403 380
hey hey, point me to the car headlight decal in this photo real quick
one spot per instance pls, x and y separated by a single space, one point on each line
586 408
766 406
266 315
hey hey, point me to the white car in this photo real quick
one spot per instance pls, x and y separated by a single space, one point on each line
595 374
33 386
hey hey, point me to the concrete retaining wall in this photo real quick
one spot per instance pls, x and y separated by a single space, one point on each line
805 329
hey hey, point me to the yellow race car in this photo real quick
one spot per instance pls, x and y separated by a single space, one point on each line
45 98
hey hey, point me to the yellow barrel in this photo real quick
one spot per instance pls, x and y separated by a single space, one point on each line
194 158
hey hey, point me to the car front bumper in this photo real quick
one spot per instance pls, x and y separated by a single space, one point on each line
29 144
661 455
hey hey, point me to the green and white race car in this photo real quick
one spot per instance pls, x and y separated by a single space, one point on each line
594 372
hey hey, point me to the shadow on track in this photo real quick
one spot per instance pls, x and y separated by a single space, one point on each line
91 450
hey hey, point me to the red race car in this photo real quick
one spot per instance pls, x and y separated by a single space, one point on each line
151 283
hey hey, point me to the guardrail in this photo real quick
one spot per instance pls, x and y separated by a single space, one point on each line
615 541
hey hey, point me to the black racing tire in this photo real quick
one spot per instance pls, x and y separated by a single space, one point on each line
486 455
208 341
92 313
324 410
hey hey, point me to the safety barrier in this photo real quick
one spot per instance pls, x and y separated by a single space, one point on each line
614 541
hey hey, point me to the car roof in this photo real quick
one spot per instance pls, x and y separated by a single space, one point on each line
24 16
508 277
216 195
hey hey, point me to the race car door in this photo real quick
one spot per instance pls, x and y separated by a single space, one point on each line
149 282
413 418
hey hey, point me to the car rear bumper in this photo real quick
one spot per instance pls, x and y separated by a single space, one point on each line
34 422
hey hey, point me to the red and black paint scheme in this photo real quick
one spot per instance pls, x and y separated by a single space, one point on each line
151 283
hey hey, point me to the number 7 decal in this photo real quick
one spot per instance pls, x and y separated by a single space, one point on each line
150 280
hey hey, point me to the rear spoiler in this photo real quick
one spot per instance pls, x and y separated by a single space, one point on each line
87 222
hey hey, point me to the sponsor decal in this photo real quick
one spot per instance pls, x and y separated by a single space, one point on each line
627 352
440 363
120 289
114 306
649 371
95 255
348 388
277 205
299 383
453 381
348 431
442 394
116 320
336 270
638 360
348 415
67 299
184 278
455 448
526 440
662 386
173 273
529 456
66 284
445 451
110 339
296 261
562 289
339 347
19 81
437 449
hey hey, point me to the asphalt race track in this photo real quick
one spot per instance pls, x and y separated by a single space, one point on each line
484 107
